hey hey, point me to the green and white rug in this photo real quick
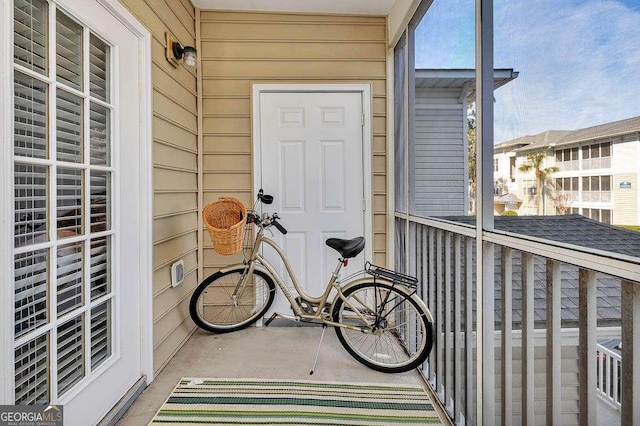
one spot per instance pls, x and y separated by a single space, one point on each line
294 402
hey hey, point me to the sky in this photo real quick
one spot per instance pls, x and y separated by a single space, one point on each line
579 60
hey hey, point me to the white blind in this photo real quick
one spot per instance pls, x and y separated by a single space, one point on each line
99 68
32 372
30 204
99 134
68 127
70 354
69 277
68 51
30 48
100 196
100 334
100 282
35 192
30 290
69 201
30 120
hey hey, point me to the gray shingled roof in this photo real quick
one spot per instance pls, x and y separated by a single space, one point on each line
539 140
568 137
571 229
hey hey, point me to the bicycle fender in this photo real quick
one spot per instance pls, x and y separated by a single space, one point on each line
256 267
399 287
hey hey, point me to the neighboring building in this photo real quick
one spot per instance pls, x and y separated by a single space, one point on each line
440 156
598 172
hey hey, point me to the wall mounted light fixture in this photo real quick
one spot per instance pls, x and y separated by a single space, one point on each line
175 52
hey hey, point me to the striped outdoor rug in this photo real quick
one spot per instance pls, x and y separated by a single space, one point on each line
294 402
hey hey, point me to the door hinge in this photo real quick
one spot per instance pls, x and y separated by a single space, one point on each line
364 204
362 119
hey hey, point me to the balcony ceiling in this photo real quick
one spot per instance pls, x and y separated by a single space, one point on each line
360 7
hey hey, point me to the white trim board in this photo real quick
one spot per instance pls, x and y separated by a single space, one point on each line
6 202
146 178
367 137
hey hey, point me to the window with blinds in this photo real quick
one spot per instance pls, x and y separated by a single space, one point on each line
63 235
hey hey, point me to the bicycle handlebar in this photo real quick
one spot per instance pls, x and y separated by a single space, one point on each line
266 221
280 227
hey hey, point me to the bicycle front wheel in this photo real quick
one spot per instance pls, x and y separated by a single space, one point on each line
392 332
221 304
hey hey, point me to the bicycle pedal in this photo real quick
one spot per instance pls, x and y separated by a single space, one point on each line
271 318
279 315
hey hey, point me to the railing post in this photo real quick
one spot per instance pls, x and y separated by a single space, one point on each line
554 347
448 385
432 303
424 278
507 344
528 353
440 318
470 412
457 333
587 347
630 386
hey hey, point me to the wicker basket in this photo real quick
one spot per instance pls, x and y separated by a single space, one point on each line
226 220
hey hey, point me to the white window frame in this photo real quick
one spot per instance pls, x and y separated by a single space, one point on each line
7 198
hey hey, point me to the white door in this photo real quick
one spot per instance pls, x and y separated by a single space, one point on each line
311 161
77 235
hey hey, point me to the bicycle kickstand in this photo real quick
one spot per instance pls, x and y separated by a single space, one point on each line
315 361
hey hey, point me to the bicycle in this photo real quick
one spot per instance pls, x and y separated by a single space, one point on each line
379 319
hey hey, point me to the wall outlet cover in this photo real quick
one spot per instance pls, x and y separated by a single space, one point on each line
177 273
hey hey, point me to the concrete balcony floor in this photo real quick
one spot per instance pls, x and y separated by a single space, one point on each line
259 352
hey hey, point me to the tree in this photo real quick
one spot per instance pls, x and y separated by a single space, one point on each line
562 201
471 144
535 162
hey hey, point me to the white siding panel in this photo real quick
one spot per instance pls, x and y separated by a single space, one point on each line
625 154
439 153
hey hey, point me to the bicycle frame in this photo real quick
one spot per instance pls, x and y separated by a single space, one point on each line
320 301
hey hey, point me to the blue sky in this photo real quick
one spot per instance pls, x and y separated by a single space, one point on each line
579 61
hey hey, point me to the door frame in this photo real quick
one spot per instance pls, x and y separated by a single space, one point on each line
367 139
7 197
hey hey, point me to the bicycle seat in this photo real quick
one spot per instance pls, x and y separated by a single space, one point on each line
347 248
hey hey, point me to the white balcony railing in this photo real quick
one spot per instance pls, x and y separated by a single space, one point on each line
609 369
529 358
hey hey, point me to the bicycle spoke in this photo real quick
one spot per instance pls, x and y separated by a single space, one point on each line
394 318
217 307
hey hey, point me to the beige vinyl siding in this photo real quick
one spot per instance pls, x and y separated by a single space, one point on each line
175 161
625 164
625 210
240 48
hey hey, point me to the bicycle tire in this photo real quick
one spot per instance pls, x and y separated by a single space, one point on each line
219 313
383 349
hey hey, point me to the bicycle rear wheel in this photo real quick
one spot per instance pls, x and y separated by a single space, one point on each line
213 306
393 333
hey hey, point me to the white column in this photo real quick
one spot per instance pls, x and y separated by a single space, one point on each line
484 216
